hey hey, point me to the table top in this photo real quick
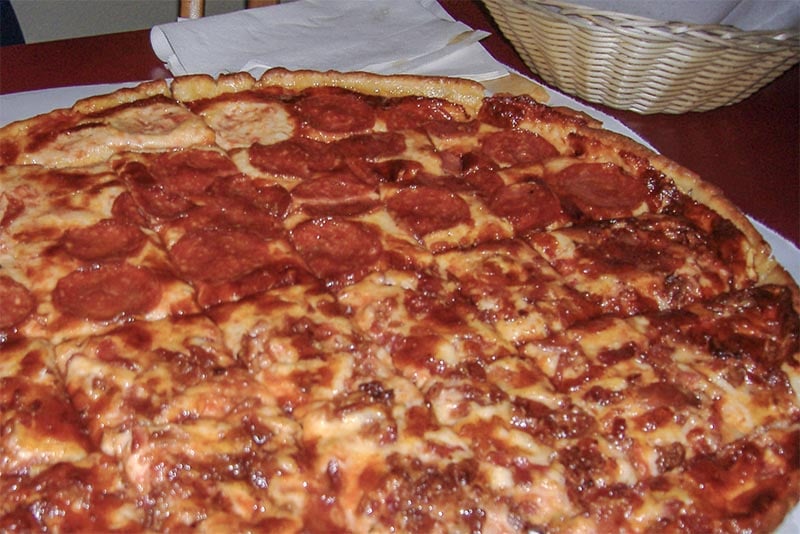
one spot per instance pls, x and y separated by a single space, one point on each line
750 150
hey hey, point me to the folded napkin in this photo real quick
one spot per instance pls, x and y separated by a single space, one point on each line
380 36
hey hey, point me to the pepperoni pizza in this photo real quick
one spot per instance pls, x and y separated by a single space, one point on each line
327 302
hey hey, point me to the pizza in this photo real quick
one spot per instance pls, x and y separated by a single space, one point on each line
344 302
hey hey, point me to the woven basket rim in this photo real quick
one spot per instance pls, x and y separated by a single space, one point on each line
563 42
638 26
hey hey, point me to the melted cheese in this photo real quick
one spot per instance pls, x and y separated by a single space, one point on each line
243 123
157 126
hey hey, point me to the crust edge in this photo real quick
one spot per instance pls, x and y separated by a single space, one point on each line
465 92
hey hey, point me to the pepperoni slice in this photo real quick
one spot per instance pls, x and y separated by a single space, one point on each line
390 170
600 190
451 161
517 147
150 195
372 145
335 112
485 181
16 302
336 194
190 171
416 111
107 292
506 111
160 203
294 157
126 209
337 250
272 198
332 186
425 209
528 205
451 183
231 212
104 240
219 254
476 160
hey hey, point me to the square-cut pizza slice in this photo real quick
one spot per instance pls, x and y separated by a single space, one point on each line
350 182
164 185
379 450
515 290
480 145
420 323
227 263
298 340
442 219
137 373
742 349
652 262
141 118
514 457
40 426
341 251
86 263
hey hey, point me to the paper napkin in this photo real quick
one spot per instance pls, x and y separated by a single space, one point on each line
380 36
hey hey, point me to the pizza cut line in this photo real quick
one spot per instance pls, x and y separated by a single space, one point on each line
343 302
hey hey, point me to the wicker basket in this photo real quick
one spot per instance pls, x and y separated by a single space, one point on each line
640 64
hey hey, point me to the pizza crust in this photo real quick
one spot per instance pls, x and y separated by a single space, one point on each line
96 104
199 86
464 92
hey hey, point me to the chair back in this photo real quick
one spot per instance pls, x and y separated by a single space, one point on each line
194 9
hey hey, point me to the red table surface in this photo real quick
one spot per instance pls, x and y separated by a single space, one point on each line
751 150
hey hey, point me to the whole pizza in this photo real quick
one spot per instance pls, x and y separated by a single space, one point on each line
343 302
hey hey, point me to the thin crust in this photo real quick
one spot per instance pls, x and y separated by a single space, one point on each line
464 92
95 104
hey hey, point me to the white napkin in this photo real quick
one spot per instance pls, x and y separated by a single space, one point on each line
381 36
